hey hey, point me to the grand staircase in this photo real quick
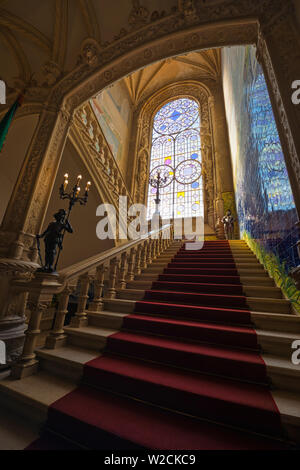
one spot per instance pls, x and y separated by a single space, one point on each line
195 354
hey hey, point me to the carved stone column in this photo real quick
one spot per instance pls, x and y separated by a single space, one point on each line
57 337
40 293
222 157
12 307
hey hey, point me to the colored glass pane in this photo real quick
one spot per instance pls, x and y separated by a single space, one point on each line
175 139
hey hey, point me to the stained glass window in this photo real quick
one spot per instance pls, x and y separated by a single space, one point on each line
176 146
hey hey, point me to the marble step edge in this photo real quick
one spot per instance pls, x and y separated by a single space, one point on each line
254 303
259 318
246 280
250 290
31 396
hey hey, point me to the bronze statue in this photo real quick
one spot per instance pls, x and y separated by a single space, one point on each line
228 222
53 236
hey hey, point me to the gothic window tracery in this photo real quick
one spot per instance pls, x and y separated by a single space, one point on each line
176 146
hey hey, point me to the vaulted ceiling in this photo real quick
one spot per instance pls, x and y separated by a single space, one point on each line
40 40
203 65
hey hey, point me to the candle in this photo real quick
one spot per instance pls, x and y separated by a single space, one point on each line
66 176
79 178
88 186
77 191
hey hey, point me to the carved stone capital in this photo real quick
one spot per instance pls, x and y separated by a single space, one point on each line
17 268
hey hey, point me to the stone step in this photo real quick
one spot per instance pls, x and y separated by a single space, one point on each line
262 291
283 373
105 319
276 343
31 396
269 305
254 303
67 361
249 290
89 337
261 279
276 322
288 404
237 259
245 272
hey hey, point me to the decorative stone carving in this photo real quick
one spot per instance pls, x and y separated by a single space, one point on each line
138 16
98 156
51 73
89 53
188 9
141 176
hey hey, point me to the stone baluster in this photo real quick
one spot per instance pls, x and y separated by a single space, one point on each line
88 113
80 318
123 267
94 126
111 293
158 246
115 178
164 242
149 252
120 186
138 260
131 264
144 256
106 161
155 248
97 303
57 337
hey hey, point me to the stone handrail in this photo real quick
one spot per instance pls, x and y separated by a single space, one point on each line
119 264
89 128
90 264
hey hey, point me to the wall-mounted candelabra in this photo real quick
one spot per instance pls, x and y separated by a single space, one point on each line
54 234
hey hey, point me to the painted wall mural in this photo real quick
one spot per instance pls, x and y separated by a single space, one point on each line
113 111
264 199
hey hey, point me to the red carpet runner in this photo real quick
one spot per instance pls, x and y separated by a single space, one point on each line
183 373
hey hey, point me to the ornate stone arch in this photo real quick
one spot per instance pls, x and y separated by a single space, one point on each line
145 116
